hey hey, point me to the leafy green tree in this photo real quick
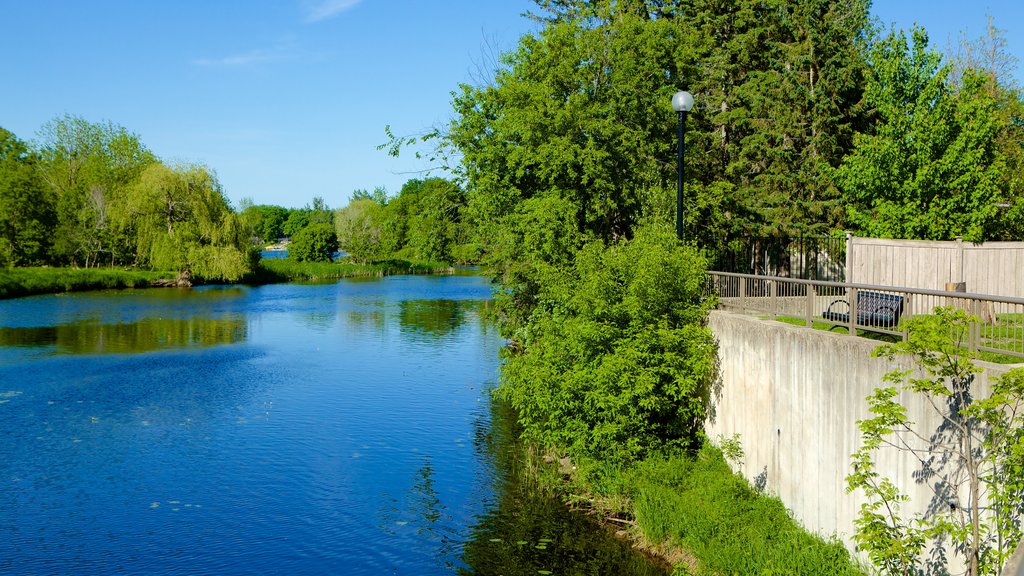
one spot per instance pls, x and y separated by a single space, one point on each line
320 213
298 218
27 212
183 222
930 168
314 243
88 167
973 461
434 218
266 221
988 59
581 111
358 228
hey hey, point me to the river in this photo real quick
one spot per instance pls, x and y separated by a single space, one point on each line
336 428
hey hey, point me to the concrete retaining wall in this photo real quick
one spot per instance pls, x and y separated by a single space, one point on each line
794 396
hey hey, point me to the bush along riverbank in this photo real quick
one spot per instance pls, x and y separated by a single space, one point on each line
692 510
610 368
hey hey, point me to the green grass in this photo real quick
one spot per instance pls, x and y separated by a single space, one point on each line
699 504
707 514
16 282
1006 334
286 270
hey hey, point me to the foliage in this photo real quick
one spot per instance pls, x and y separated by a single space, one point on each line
297 220
613 359
580 112
314 243
88 166
181 220
288 270
358 228
27 211
266 221
973 461
424 222
931 168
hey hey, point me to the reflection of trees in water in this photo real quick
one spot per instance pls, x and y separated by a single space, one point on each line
366 318
525 532
145 335
431 317
424 512
320 320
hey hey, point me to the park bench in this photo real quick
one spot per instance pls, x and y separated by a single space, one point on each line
873 309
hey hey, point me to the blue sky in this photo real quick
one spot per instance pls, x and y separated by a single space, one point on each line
288 99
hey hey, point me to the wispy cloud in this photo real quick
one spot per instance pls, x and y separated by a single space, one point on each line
323 9
249 58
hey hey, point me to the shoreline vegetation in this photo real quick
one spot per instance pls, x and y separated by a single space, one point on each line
33 281
692 512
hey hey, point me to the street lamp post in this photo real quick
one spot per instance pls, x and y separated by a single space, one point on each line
682 102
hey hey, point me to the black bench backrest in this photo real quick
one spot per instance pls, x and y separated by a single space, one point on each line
879 308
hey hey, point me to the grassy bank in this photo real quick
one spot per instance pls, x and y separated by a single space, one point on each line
286 270
698 514
15 282
1006 333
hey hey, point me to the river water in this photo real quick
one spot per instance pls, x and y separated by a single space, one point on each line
338 428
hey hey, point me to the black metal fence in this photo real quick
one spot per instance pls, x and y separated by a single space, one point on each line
805 257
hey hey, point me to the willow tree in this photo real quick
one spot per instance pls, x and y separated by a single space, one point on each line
183 222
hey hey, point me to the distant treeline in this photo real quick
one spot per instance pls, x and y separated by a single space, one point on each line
91 195
424 222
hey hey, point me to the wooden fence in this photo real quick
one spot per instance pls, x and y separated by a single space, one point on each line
995 268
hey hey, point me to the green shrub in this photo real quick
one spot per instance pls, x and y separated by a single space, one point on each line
314 243
613 359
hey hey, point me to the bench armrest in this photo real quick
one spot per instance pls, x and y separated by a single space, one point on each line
834 302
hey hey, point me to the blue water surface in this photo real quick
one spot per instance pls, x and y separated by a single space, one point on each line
333 428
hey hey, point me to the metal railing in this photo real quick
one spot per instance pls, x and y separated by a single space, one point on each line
807 257
869 308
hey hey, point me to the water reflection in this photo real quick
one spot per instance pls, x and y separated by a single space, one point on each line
526 533
431 317
145 335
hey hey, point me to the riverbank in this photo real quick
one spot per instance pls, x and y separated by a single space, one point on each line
694 512
18 282
272 270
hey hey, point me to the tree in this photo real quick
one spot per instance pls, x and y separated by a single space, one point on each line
973 461
182 221
358 228
580 110
298 218
930 168
314 243
27 213
434 218
988 60
88 166
266 221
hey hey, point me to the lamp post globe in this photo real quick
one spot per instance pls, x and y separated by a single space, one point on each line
682 102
